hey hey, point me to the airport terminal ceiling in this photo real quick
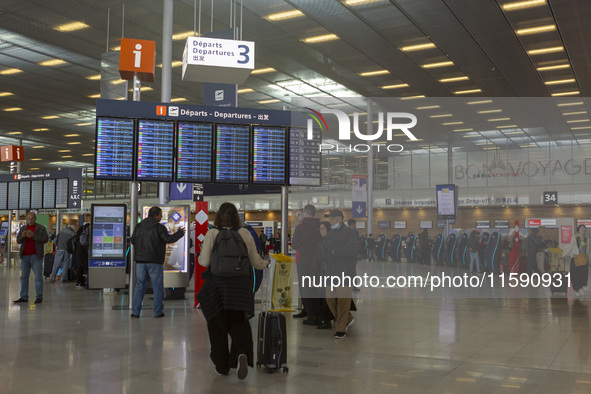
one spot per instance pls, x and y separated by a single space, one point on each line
325 51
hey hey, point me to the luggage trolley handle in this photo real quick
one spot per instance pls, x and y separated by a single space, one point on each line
266 298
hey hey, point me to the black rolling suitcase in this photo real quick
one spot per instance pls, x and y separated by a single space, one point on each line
559 284
271 342
271 335
48 264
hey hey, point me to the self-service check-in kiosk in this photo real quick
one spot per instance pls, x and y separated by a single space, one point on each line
108 246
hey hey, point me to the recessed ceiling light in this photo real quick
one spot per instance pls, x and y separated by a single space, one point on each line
12 109
522 4
490 111
15 132
545 50
441 116
321 38
95 96
557 67
498 119
419 47
479 102
66 157
372 73
507 126
451 123
4 94
560 81
469 91
397 86
574 113
460 130
429 107
284 15
184 35
72 135
270 101
88 154
71 26
52 62
35 168
262 70
534 30
438 64
359 2
35 159
50 117
580 127
444 80
577 120
95 77
38 146
84 124
74 143
64 150
566 93
116 49
569 104
245 90
177 99
118 81
418 96
9 71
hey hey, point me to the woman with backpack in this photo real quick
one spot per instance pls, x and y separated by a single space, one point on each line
227 300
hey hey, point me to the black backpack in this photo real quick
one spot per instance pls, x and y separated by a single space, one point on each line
71 245
229 257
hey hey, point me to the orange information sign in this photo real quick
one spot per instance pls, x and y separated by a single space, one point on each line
12 153
137 57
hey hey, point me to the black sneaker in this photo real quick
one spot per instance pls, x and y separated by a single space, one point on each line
242 370
38 300
300 315
324 325
135 316
20 301
310 322
160 315
339 335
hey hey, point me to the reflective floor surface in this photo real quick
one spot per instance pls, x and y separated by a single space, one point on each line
76 342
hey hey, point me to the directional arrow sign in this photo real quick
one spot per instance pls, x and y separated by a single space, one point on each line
359 209
181 191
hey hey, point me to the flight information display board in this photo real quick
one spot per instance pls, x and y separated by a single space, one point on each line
3 195
37 194
269 151
232 153
49 193
114 148
305 167
24 196
61 193
155 160
13 195
194 152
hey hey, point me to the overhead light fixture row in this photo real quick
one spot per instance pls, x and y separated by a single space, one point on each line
321 38
372 73
50 117
52 62
245 90
438 64
574 92
545 50
10 71
455 79
469 91
418 47
535 30
479 102
284 15
519 5
270 101
550 68
12 109
263 70
67 27
560 81
397 86
184 35
4 94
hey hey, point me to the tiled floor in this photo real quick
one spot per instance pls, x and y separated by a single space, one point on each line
76 342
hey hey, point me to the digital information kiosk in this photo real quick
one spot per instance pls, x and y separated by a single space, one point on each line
108 248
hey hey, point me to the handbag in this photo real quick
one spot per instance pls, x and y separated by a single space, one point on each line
580 259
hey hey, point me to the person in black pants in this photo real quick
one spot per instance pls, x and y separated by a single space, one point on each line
533 245
228 302
80 256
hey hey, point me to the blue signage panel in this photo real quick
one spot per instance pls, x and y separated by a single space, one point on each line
155 160
232 156
194 152
181 191
359 209
114 148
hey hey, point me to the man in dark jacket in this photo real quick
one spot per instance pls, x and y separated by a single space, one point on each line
32 237
340 248
305 239
149 240
473 245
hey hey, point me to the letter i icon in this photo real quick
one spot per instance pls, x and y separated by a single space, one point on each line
138 55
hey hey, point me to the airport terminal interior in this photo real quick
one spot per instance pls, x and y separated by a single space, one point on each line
482 154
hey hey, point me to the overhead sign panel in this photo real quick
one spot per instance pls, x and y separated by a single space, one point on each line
194 152
269 161
155 150
137 57
217 60
232 153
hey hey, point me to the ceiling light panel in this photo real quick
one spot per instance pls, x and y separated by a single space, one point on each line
535 30
419 47
279 16
320 38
